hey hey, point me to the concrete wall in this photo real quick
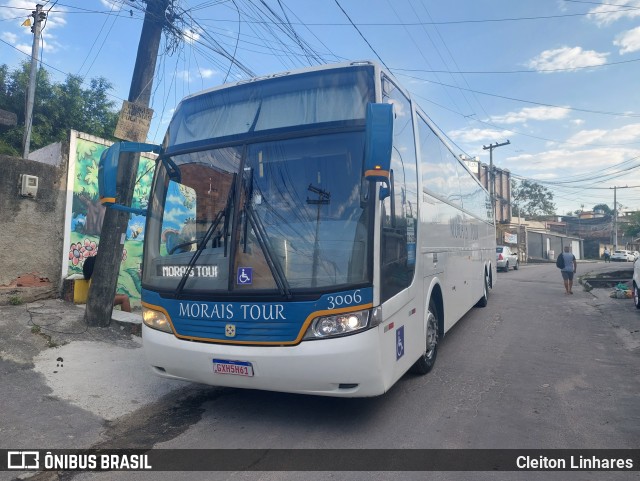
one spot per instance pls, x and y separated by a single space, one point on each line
51 154
32 229
539 245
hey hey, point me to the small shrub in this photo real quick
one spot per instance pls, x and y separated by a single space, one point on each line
15 300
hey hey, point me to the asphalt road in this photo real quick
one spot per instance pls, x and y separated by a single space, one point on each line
534 369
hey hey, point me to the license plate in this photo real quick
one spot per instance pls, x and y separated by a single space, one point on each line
235 368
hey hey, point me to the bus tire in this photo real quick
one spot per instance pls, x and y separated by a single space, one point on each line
484 300
428 358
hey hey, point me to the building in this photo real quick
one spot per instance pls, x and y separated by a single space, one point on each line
538 241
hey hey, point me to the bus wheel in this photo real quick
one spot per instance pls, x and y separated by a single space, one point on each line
426 362
484 300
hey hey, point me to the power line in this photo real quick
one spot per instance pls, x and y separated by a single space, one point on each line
362 35
576 109
499 72
452 22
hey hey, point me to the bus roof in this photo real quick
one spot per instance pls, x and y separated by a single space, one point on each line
359 63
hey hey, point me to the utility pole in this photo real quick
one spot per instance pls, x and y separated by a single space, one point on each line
38 16
615 213
615 219
114 226
492 174
615 210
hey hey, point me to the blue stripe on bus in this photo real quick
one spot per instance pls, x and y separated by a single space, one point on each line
209 321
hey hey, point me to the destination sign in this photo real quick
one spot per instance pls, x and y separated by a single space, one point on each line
196 271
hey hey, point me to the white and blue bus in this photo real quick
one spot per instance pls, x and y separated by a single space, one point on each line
307 232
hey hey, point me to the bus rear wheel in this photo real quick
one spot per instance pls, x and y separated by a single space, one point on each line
484 300
428 359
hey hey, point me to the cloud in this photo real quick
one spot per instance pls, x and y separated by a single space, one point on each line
567 58
531 113
478 135
607 14
12 39
184 75
585 137
9 37
187 76
15 8
207 73
191 35
558 163
24 48
628 41
627 134
22 38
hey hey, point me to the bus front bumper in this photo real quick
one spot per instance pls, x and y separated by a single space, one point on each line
344 367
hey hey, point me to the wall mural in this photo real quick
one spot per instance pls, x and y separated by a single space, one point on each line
87 216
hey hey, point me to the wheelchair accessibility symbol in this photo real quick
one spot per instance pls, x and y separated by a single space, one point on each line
245 276
399 342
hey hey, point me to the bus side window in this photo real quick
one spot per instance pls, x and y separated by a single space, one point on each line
399 215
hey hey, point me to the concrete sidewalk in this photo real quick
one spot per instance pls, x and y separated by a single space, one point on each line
60 379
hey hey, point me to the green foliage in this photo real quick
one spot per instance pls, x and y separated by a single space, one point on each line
6 149
531 199
603 207
87 168
58 107
15 300
633 227
143 183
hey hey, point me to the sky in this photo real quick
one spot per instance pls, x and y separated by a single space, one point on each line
558 79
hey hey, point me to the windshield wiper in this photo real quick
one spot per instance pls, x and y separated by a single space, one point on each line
223 213
263 238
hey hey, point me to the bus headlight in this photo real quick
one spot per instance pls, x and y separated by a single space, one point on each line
156 320
338 325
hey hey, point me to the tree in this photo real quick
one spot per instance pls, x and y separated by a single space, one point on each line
531 199
632 228
58 108
603 207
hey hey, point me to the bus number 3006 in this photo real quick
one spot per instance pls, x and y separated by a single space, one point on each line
346 300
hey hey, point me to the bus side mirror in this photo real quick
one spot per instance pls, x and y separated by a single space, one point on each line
108 173
378 143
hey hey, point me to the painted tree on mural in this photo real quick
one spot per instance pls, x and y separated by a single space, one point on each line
86 200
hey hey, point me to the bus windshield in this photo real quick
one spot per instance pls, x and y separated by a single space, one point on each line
279 216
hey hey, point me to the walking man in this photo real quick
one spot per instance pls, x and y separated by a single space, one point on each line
607 254
569 269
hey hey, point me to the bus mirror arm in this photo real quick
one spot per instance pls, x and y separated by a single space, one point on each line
385 192
388 190
108 173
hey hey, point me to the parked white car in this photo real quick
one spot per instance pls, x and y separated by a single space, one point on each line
505 258
623 256
636 284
